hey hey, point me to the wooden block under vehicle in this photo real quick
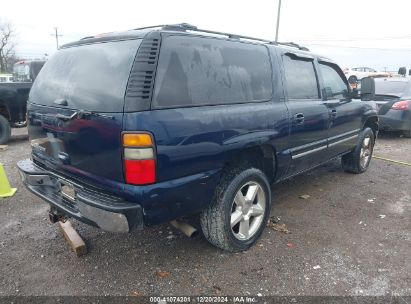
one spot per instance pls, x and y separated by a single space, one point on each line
3 147
73 238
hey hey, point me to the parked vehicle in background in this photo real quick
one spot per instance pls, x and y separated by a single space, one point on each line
201 123
355 74
14 95
6 78
393 98
27 70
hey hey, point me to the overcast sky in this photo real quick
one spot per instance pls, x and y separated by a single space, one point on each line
352 32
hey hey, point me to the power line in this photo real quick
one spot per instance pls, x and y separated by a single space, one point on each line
358 39
361 48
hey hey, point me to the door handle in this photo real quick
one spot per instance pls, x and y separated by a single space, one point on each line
66 117
333 113
299 118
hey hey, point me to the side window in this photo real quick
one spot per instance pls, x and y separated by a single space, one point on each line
334 85
205 71
301 79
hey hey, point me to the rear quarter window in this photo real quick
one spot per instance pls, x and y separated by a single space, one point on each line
195 71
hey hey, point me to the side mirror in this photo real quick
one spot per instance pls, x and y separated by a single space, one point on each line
367 88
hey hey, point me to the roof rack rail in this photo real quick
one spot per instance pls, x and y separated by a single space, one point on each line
87 37
180 26
149 27
189 27
293 44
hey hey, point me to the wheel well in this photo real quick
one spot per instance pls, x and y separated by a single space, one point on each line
372 123
260 157
4 111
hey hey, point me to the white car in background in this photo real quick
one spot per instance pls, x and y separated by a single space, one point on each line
355 74
6 78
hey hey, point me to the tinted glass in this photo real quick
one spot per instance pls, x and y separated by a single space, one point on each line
334 84
90 77
301 78
205 71
395 88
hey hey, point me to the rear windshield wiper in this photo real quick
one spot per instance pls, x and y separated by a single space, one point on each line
81 114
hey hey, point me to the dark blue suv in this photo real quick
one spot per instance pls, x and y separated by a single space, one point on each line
142 127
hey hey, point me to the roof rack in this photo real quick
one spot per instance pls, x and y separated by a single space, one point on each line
87 37
149 27
188 27
293 44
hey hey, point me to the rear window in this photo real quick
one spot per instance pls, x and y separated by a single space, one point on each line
90 77
394 88
205 71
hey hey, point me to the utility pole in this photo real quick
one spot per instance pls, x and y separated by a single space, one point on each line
57 36
278 20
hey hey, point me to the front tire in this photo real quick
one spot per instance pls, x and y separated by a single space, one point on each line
239 211
358 160
5 130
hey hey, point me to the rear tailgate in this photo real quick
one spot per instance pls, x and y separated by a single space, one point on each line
75 109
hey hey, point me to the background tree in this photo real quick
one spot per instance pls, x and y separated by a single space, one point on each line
7 46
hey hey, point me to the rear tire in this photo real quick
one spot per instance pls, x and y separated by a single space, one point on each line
239 211
407 133
5 130
358 160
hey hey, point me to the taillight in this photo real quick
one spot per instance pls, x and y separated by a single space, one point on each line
401 105
139 159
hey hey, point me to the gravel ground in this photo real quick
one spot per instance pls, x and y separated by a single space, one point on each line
339 242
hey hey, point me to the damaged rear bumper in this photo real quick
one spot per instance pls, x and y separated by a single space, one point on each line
80 201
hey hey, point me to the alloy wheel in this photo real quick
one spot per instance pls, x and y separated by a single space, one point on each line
365 153
247 211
